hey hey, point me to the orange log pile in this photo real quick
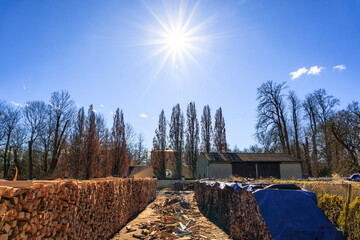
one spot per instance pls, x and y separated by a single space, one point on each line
93 209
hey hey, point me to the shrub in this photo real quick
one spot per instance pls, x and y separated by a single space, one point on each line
332 206
349 220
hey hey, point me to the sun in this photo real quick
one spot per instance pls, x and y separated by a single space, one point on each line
176 41
176 35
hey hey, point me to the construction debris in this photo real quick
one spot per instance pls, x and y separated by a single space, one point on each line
173 215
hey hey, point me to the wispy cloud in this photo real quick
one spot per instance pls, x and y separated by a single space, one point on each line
19 104
315 70
340 67
101 105
24 87
143 115
298 73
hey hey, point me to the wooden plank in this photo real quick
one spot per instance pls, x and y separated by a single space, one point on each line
17 184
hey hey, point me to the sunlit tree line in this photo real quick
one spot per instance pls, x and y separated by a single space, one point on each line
186 138
313 129
55 139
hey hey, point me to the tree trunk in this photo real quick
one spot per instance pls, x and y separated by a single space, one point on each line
45 166
57 147
6 165
30 161
307 157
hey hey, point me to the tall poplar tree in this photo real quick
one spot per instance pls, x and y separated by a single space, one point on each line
220 132
176 137
192 138
206 129
120 162
92 146
159 146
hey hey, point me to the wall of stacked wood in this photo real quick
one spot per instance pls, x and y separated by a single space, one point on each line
94 209
236 212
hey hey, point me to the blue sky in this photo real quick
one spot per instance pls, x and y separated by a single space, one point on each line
99 51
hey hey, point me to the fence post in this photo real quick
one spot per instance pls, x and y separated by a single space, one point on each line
348 200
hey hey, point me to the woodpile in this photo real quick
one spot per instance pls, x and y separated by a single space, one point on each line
93 209
236 212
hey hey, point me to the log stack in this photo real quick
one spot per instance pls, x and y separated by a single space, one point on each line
93 209
235 211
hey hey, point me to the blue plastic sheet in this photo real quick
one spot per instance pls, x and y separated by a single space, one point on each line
293 214
355 177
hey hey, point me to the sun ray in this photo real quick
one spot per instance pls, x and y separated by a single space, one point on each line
178 37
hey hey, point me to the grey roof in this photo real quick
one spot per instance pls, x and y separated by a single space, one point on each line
249 157
135 169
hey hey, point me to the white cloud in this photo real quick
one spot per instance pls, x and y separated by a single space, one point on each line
24 86
298 73
94 110
19 104
143 115
315 70
340 67
101 105
112 113
16 104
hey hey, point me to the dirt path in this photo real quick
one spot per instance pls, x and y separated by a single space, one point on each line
171 216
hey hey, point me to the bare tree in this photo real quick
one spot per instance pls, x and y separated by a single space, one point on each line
345 126
11 118
130 137
2 123
176 137
159 145
63 111
272 112
325 104
140 151
295 105
46 139
192 138
76 156
220 132
35 116
17 142
307 157
312 115
206 129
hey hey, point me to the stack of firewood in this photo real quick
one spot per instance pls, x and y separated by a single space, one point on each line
237 212
94 209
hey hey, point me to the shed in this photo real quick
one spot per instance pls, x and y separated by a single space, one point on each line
251 165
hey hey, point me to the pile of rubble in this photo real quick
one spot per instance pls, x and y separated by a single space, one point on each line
173 216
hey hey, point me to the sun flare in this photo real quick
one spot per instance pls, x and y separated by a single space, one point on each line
177 37
176 41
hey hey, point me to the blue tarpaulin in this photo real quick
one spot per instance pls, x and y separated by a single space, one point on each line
293 214
355 177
